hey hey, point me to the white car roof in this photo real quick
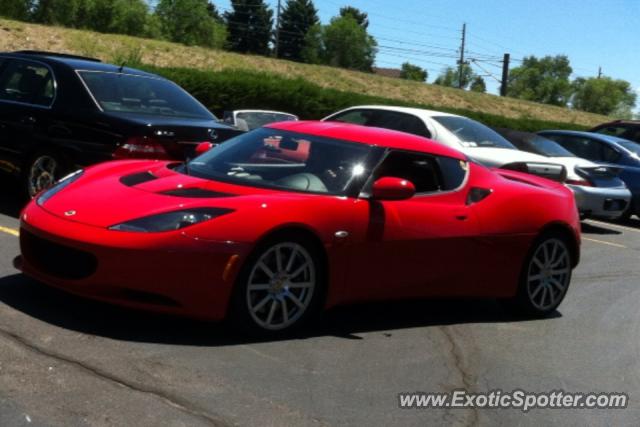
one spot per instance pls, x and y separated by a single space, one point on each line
263 111
409 110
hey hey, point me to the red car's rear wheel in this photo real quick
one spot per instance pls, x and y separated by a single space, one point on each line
545 277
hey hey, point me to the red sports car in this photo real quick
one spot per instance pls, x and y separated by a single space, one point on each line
288 219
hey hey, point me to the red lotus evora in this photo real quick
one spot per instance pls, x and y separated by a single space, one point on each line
288 219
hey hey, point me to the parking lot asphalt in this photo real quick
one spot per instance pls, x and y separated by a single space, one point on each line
67 361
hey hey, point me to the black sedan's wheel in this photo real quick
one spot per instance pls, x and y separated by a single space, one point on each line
279 287
43 171
545 277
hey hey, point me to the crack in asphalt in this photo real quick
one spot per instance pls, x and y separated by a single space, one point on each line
467 379
167 399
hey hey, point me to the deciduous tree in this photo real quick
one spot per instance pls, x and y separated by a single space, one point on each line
543 80
190 22
413 72
451 77
347 44
604 96
478 85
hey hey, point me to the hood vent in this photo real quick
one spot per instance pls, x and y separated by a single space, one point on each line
137 178
195 193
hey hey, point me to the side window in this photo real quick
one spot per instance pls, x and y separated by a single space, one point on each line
453 172
581 147
422 170
398 121
386 119
633 134
357 117
24 81
609 154
587 148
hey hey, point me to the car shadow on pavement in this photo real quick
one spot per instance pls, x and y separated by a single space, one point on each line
95 318
587 228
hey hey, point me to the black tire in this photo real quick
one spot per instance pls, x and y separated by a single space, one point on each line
243 300
626 216
37 178
531 291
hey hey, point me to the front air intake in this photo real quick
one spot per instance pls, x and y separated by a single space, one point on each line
137 178
195 193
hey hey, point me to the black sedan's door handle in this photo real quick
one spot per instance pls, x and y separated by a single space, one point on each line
59 131
28 120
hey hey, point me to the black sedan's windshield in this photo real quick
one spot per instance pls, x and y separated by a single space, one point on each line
128 93
471 133
284 160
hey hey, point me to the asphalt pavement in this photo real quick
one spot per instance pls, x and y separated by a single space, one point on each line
65 361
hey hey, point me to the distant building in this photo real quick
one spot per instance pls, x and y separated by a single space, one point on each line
387 72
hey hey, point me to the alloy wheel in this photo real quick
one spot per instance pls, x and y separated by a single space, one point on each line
42 174
548 275
281 286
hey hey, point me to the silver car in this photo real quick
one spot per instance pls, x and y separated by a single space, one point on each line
598 190
247 120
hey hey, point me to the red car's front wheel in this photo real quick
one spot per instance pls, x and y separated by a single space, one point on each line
279 286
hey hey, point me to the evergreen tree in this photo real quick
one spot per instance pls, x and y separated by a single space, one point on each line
56 12
250 25
297 17
361 17
16 9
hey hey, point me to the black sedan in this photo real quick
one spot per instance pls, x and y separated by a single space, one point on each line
61 112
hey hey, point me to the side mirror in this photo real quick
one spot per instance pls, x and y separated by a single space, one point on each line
392 188
203 147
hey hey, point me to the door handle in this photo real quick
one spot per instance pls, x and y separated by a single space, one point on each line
28 120
462 217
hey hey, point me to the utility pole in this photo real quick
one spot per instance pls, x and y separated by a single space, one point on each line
461 63
505 75
599 72
277 29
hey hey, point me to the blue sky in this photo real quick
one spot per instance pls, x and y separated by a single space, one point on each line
592 33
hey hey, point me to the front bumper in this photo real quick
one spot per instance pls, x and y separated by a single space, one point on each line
165 272
608 203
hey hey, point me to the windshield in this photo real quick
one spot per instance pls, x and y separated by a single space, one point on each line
127 93
550 148
473 134
256 119
284 160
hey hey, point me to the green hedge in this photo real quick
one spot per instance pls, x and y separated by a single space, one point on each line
238 89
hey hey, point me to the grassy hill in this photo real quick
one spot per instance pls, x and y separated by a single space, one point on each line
117 48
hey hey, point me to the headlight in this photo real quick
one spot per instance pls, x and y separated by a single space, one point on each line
170 220
59 186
